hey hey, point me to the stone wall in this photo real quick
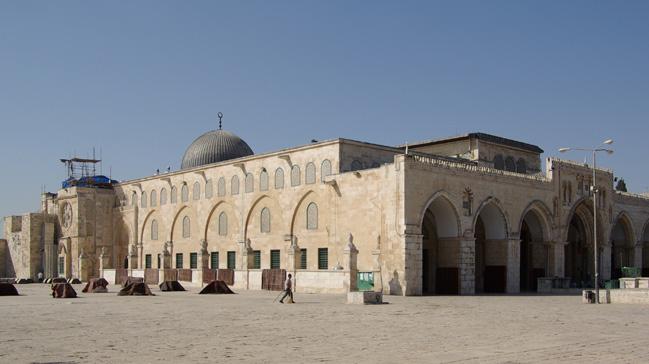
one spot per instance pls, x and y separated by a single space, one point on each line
3 258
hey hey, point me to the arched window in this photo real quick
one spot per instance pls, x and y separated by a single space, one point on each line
221 187
154 230
263 180
499 162
196 192
186 227
154 198
309 172
184 193
208 189
163 196
234 185
325 169
295 175
143 202
265 220
279 178
134 198
223 224
250 183
521 166
510 165
312 216
174 194
356 165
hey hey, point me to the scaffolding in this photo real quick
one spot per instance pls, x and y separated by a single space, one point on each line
82 172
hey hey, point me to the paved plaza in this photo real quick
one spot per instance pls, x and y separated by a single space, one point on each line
248 327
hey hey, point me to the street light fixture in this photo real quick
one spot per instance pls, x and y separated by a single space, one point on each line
594 190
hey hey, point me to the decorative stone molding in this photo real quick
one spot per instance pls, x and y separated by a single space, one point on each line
435 161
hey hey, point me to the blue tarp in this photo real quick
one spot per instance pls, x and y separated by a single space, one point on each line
93 181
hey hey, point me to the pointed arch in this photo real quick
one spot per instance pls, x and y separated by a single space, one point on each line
154 229
312 216
309 172
623 241
174 221
534 230
440 247
249 183
543 213
144 225
232 217
249 215
209 187
296 175
325 169
187 227
279 178
153 200
174 195
451 222
184 193
624 218
221 187
143 200
579 208
645 231
297 208
265 220
163 196
492 211
263 180
196 191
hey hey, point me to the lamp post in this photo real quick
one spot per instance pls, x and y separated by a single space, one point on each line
594 191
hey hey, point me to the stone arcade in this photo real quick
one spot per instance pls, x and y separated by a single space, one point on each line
464 215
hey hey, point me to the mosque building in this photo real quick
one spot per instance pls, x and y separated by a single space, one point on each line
465 215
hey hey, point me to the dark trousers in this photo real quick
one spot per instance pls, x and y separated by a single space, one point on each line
287 293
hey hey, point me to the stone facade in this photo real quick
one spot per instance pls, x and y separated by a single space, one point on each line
27 236
432 221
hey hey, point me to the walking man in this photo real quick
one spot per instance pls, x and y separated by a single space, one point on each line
288 289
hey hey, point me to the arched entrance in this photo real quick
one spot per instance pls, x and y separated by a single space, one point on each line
440 249
534 252
491 247
578 257
622 246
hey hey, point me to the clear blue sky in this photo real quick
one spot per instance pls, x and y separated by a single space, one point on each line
142 79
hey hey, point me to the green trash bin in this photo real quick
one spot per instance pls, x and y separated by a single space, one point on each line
365 281
612 284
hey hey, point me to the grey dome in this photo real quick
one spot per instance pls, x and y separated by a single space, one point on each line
215 146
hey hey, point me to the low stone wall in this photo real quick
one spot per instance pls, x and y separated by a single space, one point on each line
305 281
630 283
625 296
321 281
240 279
254 277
